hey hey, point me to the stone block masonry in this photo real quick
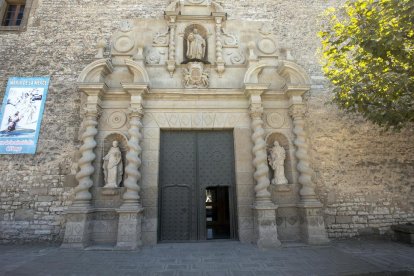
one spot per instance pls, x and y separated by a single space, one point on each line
364 177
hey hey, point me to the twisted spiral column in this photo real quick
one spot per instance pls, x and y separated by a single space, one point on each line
260 155
82 194
307 191
131 196
171 55
171 47
219 46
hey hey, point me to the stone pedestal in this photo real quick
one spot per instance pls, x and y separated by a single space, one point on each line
78 228
312 223
129 228
265 225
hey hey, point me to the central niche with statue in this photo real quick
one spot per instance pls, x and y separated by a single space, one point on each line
197 74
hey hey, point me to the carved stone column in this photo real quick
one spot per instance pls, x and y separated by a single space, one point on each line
307 191
171 16
219 45
130 212
90 121
264 209
78 228
313 226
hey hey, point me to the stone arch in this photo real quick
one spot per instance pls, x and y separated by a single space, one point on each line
294 74
140 75
287 144
253 72
203 32
96 71
106 145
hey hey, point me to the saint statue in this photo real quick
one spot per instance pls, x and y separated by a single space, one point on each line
113 166
276 160
196 45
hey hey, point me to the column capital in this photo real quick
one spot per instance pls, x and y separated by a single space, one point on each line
256 111
297 111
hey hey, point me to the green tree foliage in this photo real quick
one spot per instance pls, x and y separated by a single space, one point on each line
368 54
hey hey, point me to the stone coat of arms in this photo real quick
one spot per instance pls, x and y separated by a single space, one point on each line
195 76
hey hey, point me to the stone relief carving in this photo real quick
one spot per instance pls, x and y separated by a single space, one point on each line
229 40
116 119
276 160
275 120
112 166
266 29
196 45
161 39
267 43
237 57
123 44
195 76
191 120
125 26
153 56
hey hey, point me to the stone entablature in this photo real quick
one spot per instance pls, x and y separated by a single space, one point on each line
194 69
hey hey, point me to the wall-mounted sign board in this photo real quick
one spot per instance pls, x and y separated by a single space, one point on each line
21 114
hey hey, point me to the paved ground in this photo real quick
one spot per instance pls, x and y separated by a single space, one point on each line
213 258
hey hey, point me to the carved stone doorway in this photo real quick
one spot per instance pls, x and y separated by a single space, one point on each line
197 191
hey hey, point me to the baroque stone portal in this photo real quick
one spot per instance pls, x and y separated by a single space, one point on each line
192 70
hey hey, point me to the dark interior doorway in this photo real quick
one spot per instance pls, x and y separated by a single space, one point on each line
196 189
217 213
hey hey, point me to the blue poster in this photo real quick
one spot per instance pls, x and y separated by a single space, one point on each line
21 114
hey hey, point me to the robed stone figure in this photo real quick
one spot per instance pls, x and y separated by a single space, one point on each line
276 160
112 166
196 45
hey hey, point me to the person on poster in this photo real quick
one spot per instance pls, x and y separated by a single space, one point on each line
12 122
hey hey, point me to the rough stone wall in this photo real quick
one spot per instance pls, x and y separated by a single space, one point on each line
364 178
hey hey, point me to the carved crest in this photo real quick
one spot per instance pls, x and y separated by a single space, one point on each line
195 76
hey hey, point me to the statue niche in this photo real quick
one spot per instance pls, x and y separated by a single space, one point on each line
195 44
113 163
113 166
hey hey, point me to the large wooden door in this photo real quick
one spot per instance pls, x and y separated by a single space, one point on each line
191 163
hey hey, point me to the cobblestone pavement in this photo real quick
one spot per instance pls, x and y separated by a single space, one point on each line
213 258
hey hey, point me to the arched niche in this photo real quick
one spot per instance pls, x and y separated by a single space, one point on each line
289 149
106 145
203 33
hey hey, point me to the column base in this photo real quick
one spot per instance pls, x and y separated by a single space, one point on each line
129 228
265 225
312 223
78 228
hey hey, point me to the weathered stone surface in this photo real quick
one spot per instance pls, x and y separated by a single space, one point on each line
363 177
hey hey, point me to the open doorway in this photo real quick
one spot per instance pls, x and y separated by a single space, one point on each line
217 213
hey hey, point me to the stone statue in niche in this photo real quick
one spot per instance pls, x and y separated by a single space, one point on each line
196 45
276 160
112 166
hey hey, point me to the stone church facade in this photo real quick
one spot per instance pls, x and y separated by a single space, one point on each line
219 112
